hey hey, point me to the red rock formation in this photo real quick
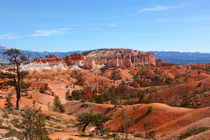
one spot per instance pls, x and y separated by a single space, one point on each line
88 92
160 62
119 58
38 86
89 63
50 59
74 59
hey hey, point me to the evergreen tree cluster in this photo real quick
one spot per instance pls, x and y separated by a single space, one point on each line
98 120
57 106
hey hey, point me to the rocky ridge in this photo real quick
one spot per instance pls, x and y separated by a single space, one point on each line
116 58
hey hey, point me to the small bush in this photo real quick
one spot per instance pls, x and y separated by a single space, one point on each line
76 95
1 123
8 103
15 123
12 132
141 96
33 124
169 81
57 105
5 115
42 90
162 101
152 134
193 131
149 109
186 103
99 99
68 97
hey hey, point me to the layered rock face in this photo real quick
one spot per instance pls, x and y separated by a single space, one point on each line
75 59
50 59
121 58
160 62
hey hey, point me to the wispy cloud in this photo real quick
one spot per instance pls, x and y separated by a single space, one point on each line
156 8
48 32
8 36
112 25
160 8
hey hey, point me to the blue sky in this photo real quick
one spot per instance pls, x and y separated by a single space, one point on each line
66 25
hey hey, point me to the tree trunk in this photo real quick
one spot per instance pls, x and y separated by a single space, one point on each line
83 129
18 102
101 131
18 90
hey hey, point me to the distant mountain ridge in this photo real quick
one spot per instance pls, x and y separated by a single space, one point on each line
181 58
2 47
32 54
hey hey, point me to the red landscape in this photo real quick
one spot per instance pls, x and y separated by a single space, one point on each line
139 96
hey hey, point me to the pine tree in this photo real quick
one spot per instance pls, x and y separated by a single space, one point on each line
17 76
146 124
57 105
84 120
99 121
199 72
33 125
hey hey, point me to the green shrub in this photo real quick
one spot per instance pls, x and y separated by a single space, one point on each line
1 123
99 99
42 90
76 95
149 109
68 97
98 120
57 105
193 131
5 115
186 103
8 103
33 124
15 123
162 101
169 81
141 96
146 124
84 120
152 134
12 132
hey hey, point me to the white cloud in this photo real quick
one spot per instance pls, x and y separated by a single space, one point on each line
161 8
112 25
48 32
156 8
7 36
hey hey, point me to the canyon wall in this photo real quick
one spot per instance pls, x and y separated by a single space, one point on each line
121 58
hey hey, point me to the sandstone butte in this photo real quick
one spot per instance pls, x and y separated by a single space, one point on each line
120 58
49 59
